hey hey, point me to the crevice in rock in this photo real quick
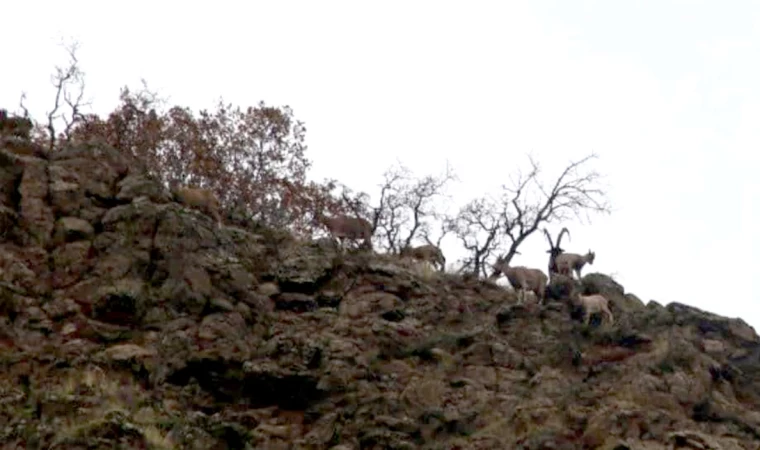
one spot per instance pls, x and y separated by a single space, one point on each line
228 383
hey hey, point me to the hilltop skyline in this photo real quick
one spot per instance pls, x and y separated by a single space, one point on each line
667 100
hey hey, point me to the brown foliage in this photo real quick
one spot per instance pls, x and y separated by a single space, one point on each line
253 159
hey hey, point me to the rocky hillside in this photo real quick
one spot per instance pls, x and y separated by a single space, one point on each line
128 321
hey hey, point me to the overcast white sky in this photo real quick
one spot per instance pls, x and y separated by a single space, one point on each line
666 92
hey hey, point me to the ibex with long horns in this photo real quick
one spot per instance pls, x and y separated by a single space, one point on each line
555 250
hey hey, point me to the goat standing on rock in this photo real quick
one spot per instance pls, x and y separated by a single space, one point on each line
568 262
346 227
429 253
555 250
199 198
593 304
522 279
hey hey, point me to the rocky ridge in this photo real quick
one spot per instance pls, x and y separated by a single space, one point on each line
128 321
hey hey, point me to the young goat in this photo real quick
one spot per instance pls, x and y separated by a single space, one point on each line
568 262
201 199
593 304
429 253
346 227
522 279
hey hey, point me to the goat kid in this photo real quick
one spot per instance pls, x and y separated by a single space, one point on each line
593 304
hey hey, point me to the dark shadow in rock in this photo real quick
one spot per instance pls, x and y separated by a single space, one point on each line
227 382
511 313
328 300
395 315
295 302
290 392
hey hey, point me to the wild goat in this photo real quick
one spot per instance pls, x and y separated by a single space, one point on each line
15 126
555 250
568 262
201 199
522 279
346 227
429 253
593 304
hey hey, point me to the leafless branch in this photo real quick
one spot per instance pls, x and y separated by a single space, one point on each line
63 79
574 192
445 227
23 106
478 226
405 209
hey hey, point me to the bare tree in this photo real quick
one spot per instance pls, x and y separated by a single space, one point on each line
405 209
479 225
358 204
523 206
444 228
69 85
574 193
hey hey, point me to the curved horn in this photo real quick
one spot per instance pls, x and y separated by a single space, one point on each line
500 259
549 237
563 231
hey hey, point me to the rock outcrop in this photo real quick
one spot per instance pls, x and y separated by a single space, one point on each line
129 321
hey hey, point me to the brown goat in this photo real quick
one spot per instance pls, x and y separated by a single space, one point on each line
201 199
15 126
522 279
430 253
568 262
345 227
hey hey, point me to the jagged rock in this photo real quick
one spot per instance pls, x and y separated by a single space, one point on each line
126 352
69 229
37 217
139 185
602 284
303 270
139 323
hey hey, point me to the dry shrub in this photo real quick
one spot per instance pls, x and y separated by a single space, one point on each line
252 158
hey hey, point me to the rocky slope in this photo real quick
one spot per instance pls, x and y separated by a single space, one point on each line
128 321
